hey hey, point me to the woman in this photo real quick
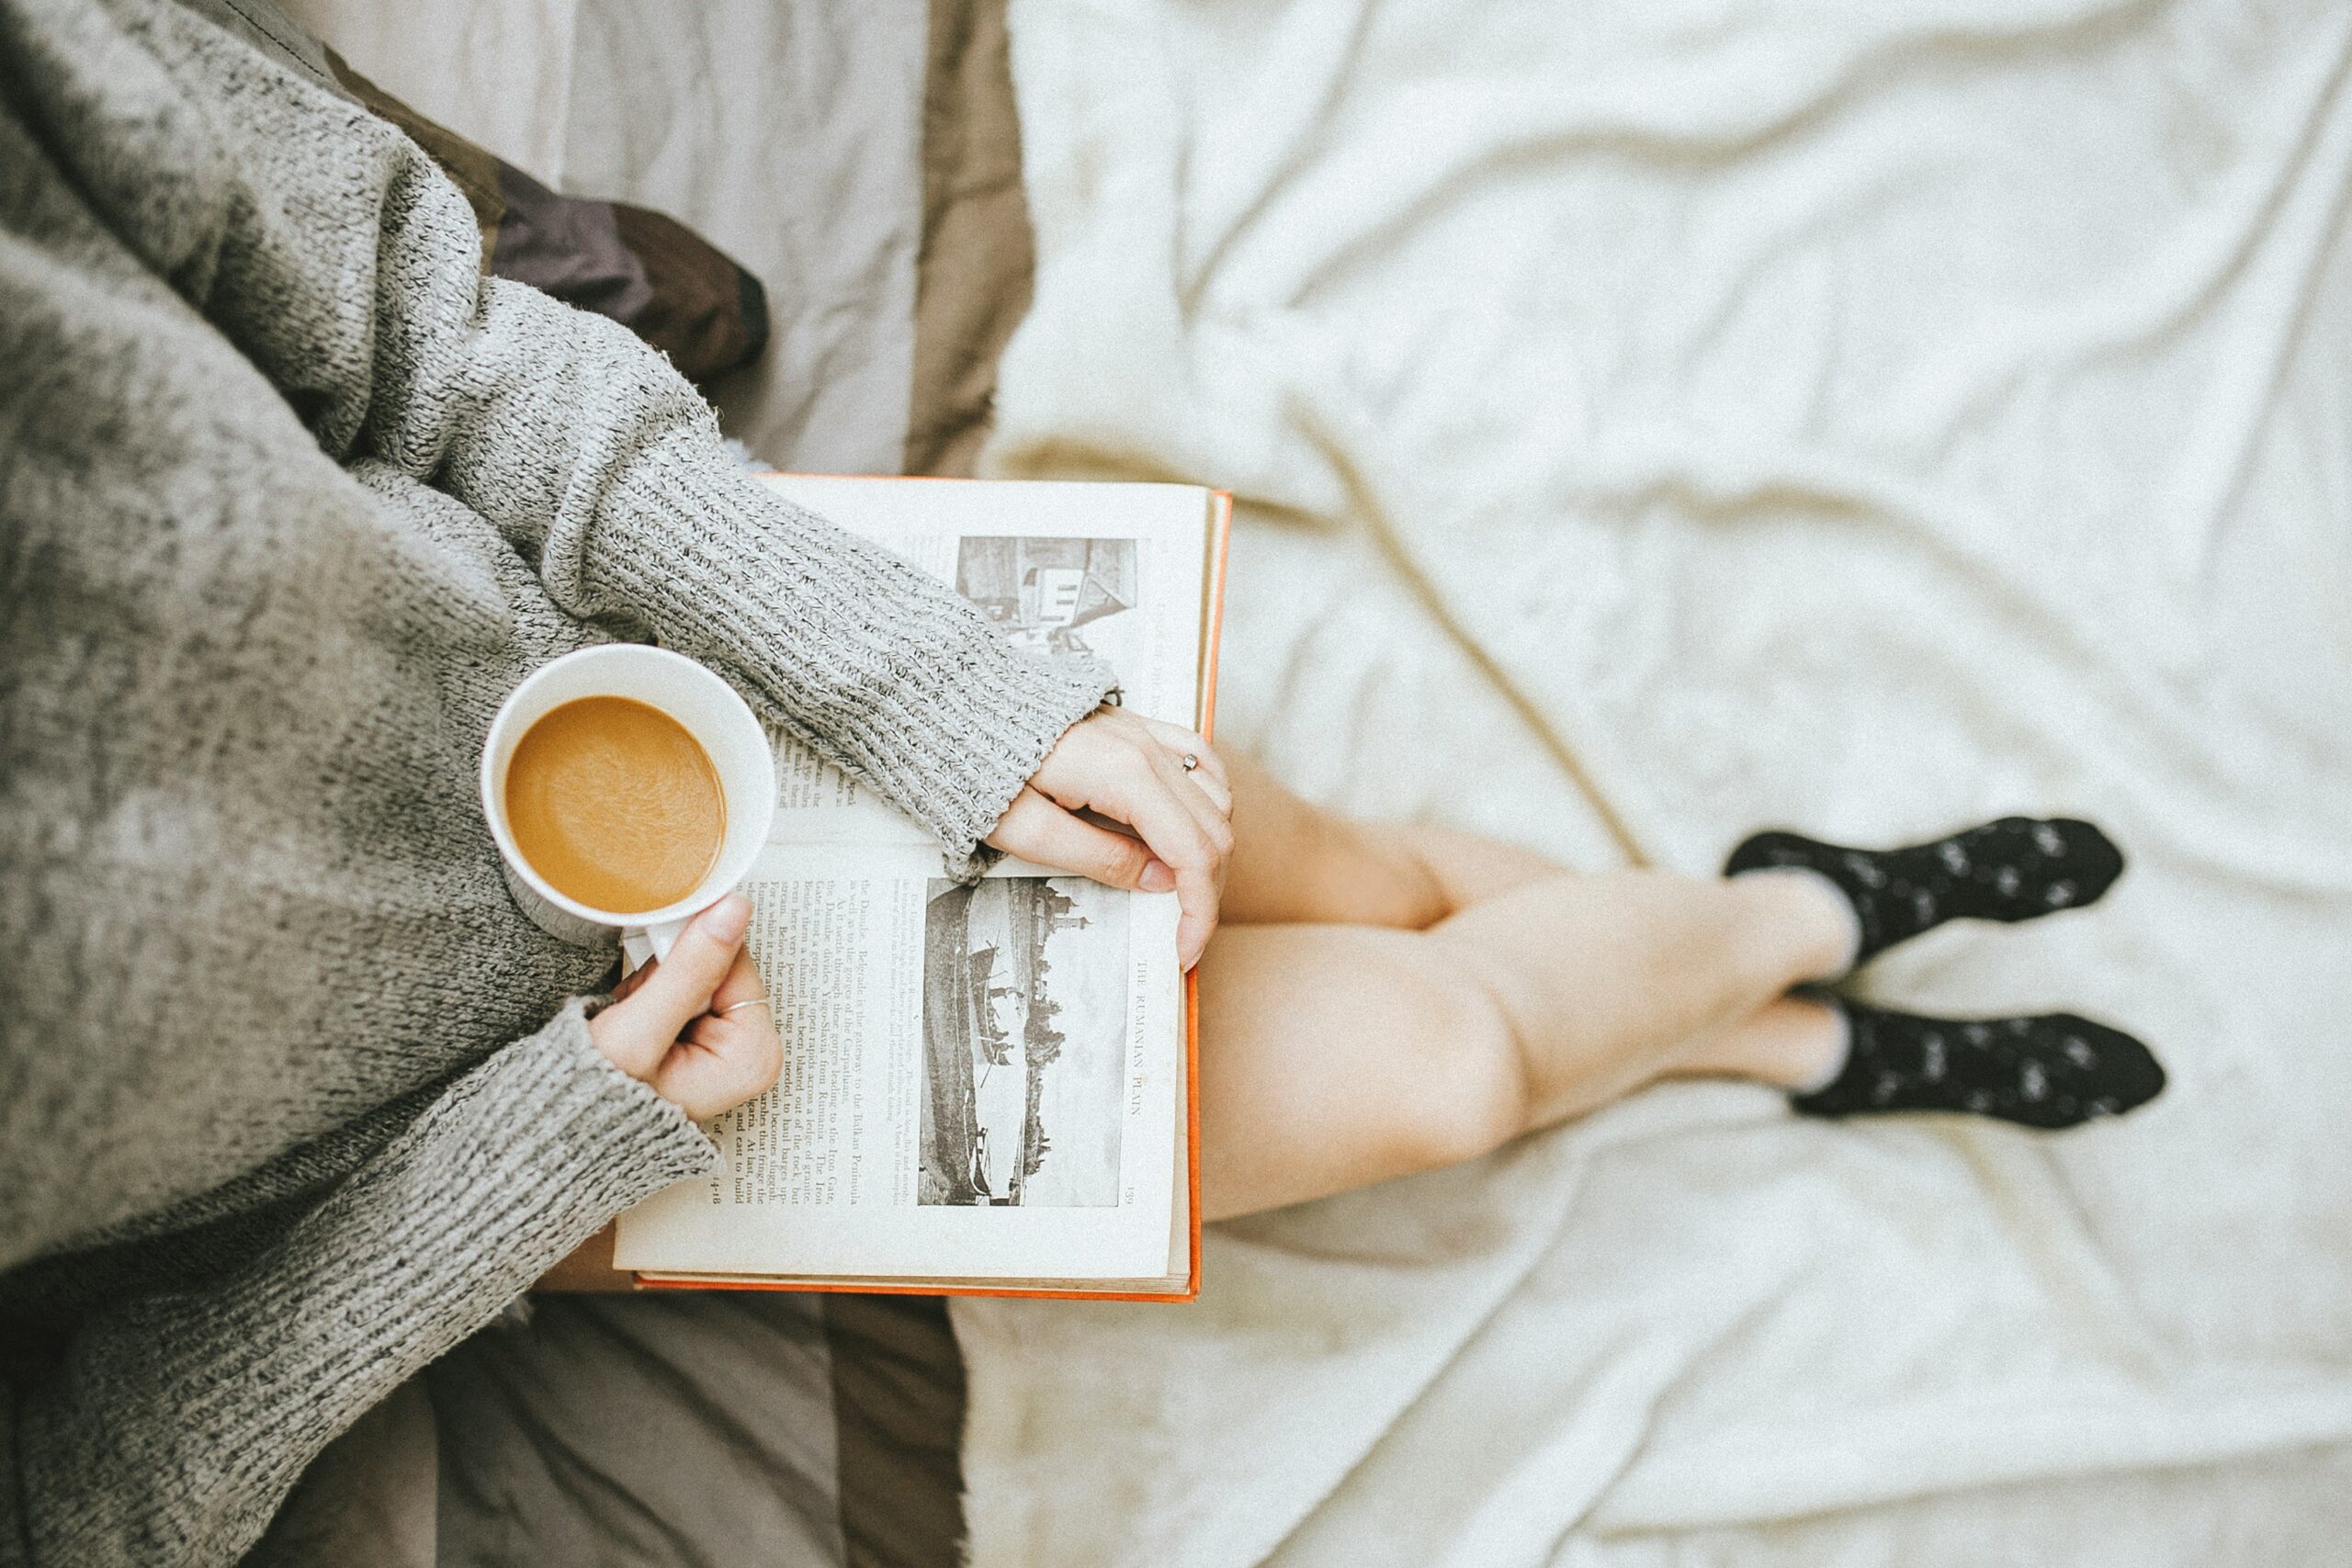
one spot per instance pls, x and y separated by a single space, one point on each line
292 1097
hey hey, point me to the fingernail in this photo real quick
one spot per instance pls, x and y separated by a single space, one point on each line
727 918
1157 878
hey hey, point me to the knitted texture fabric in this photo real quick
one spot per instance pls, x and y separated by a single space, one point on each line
290 1095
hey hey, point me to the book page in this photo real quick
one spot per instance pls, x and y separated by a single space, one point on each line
977 1081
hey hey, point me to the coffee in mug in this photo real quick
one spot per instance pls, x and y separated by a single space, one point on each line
627 788
615 804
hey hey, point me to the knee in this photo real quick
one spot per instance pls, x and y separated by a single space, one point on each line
1469 1094
1780 931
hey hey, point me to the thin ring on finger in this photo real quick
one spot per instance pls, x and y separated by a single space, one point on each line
1185 742
1173 818
1201 777
1192 792
749 1002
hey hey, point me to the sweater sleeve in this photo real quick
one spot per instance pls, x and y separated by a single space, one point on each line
351 276
176 1423
606 466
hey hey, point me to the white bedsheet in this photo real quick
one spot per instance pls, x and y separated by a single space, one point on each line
1694 415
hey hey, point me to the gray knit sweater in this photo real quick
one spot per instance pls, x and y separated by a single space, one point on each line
291 1098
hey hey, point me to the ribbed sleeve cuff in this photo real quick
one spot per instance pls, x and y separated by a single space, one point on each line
884 670
180 1420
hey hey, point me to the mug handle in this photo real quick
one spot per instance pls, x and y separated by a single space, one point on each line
645 943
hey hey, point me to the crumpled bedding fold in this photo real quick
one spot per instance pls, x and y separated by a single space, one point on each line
1654 423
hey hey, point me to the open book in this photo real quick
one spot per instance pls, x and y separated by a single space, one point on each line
986 1089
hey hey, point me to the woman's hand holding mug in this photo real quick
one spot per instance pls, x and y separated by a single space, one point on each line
696 1027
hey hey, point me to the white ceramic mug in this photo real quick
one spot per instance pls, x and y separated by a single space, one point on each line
712 713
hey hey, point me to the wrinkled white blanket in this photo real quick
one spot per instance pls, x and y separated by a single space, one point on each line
1656 420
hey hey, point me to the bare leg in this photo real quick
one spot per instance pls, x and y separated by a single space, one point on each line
1383 1000
1334 1056
1789 1042
1297 863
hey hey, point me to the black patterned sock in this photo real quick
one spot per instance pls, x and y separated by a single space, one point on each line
2056 1070
2010 870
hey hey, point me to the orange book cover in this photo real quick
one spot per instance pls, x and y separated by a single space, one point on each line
1220 537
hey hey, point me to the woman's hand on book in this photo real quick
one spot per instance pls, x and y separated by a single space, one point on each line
1130 770
669 1025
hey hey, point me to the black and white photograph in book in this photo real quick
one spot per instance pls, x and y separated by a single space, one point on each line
1024 1002
1058 595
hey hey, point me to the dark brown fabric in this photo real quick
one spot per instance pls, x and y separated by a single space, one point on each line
650 273
711 317
973 272
898 1428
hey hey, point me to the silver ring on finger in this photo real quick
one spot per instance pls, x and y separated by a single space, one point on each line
1191 759
739 1006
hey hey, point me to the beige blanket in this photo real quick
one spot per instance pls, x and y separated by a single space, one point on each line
1656 421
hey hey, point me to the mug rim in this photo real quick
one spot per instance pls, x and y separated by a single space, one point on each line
718 882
